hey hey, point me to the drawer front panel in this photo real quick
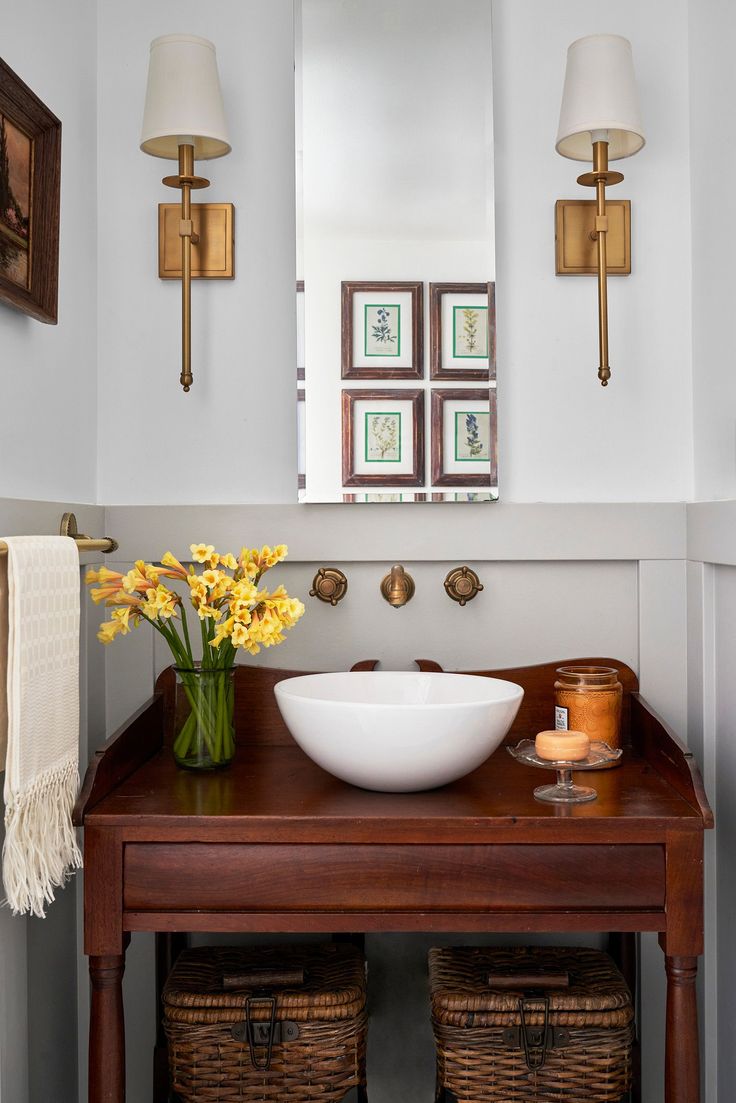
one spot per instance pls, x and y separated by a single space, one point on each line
268 877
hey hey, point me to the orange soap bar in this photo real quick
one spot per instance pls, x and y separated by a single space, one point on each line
562 746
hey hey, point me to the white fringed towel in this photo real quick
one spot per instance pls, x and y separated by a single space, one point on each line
42 763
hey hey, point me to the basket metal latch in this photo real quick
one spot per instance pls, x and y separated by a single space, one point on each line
261 1035
534 1039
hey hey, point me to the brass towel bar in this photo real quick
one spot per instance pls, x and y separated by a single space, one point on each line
68 527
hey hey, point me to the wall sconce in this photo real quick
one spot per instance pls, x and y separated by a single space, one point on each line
599 121
184 120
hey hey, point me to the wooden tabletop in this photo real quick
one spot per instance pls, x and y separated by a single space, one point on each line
277 793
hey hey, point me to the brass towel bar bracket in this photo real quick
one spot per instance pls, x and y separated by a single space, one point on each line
68 527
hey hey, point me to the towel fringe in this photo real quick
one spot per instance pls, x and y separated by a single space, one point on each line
40 847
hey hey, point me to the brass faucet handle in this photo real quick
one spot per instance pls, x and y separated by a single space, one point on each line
462 584
329 585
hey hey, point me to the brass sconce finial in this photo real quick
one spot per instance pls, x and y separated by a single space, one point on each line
184 120
599 88
397 587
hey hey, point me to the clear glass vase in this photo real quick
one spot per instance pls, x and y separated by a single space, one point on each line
204 736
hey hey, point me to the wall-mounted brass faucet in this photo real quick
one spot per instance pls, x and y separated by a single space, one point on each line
397 587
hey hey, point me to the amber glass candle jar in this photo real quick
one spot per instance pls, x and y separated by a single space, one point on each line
591 696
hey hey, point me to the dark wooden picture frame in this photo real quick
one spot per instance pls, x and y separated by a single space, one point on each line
436 293
29 115
301 372
301 476
350 477
441 477
352 371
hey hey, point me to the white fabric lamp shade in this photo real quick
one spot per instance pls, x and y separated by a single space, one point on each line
183 99
600 94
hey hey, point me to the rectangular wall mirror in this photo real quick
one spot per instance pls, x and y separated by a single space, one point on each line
396 364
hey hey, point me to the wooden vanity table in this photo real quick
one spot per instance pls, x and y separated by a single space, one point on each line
275 844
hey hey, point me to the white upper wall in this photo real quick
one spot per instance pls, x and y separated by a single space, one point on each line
561 436
48 411
233 437
713 162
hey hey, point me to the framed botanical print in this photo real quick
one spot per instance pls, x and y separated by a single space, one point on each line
30 174
383 438
382 330
464 437
462 331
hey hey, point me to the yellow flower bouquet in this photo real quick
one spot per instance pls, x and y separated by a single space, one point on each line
233 612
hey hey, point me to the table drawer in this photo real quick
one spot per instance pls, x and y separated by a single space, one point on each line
268 877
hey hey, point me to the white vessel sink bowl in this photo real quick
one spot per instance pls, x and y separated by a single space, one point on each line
398 731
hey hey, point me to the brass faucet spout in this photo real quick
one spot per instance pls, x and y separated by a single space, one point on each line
397 587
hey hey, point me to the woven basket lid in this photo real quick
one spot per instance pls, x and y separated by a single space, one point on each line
333 988
462 994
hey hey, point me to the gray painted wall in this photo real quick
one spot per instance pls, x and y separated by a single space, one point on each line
39 958
633 608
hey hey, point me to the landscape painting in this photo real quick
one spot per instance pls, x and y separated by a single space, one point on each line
16 172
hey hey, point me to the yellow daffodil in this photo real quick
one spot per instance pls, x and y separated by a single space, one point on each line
225 596
170 561
244 591
122 615
103 575
134 580
223 631
109 629
241 610
202 553
102 593
121 598
160 602
239 634
205 611
213 578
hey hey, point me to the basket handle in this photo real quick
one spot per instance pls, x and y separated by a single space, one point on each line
274 977
528 980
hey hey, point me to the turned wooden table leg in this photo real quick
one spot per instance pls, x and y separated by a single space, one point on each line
107 1030
682 1058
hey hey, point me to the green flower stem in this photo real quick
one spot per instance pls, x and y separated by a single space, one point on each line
207 732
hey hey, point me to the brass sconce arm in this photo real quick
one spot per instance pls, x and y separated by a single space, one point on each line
598 179
186 180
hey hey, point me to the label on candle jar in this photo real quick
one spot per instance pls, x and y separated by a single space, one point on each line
561 716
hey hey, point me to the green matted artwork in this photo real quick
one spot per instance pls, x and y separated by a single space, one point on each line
472 435
470 332
382 329
463 444
462 331
382 436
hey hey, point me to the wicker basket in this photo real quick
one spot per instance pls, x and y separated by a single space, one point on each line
263 1025
530 1025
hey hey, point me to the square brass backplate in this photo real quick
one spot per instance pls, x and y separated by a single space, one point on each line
212 258
576 252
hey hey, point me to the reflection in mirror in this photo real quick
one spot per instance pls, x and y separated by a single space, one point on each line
395 251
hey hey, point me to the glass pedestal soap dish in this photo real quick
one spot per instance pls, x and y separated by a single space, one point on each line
564 791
